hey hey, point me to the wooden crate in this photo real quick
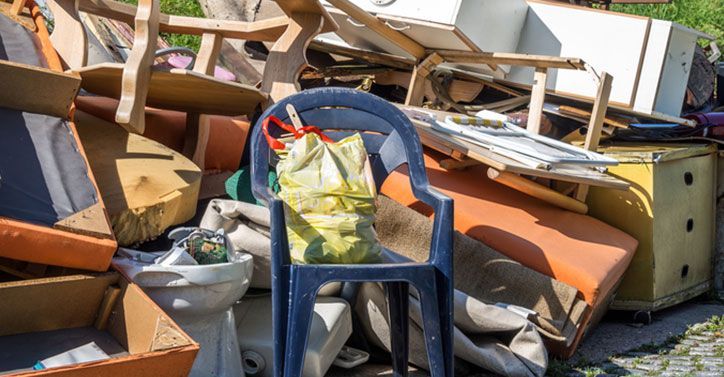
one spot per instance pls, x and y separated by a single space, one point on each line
669 209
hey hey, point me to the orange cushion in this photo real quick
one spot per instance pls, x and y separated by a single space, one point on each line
575 249
226 139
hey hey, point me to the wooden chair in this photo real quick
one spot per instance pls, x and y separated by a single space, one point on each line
137 83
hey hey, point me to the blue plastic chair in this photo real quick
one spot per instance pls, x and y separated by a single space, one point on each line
391 141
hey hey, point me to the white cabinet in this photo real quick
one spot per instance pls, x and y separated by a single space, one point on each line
468 25
666 68
649 59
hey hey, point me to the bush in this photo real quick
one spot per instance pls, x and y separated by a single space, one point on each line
703 15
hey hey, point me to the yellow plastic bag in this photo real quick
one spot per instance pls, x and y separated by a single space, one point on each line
329 195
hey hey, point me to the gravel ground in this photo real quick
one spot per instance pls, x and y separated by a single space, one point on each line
687 340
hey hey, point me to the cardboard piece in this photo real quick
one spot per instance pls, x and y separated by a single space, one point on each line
140 338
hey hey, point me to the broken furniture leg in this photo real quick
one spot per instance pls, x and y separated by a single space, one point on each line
537 190
595 125
137 70
416 90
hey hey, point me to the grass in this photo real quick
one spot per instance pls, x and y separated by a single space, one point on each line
189 8
702 15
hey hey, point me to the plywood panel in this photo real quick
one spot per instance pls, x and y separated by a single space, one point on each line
37 90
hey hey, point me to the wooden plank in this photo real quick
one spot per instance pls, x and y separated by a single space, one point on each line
264 30
665 118
610 120
178 89
537 190
527 60
37 90
69 36
537 98
379 27
287 57
137 69
453 164
91 221
593 136
379 58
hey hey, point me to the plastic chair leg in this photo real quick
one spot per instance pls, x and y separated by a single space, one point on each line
280 315
301 310
446 312
398 303
433 334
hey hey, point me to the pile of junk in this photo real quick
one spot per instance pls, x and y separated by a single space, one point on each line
347 187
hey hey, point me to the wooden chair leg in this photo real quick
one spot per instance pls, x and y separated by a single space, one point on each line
137 70
595 125
17 7
287 58
537 98
198 126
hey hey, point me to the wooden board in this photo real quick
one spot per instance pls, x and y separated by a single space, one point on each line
608 41
178 89
37 90
449 145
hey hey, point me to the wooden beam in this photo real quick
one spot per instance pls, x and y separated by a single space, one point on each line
537 190
37 90
137 70
593 136
416 90
69 36
538 61
373 23
537 98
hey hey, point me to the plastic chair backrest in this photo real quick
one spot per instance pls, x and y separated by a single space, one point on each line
389 136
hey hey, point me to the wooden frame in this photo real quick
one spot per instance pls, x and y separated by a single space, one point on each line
304 19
